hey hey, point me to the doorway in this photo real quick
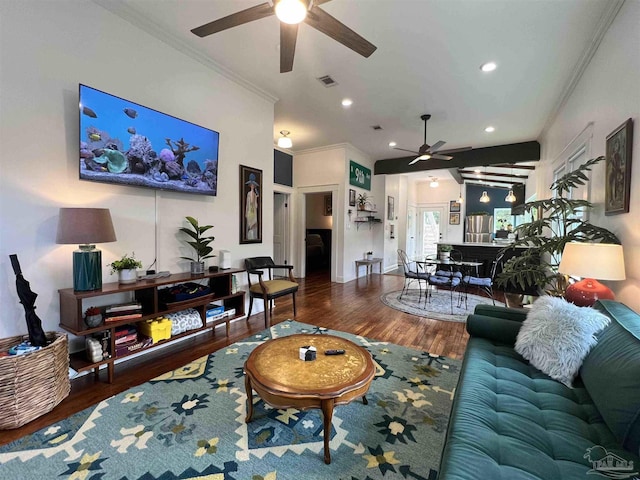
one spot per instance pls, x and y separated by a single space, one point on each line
318 233
281 228
430 229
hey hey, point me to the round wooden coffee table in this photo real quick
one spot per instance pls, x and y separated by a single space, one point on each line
274 370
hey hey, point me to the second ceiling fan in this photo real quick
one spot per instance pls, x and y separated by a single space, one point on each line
291 13
426 151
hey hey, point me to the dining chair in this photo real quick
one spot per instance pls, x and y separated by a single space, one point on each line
411 274
482 284
444 278
269 289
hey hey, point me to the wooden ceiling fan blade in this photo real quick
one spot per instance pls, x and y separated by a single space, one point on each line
438 156
456 150
239 18
325 23
436 146
405 150
415 160
288 37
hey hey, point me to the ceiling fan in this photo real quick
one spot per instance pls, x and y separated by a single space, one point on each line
426 151
301 10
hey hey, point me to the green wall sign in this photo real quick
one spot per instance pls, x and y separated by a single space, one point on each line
359 176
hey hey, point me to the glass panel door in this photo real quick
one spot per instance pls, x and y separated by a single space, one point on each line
431 230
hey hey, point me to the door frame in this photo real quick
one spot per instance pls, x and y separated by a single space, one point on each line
338 219
289 232
286 248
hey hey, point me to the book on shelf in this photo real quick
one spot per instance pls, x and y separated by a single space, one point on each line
125 330
118 318
132 337
123 307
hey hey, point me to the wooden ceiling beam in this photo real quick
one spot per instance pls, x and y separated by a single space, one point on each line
477 157
493 174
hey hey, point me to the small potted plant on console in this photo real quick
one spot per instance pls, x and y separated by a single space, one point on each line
444 251
126 268
199 243
370 255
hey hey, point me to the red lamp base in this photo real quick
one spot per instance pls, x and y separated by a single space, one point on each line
586 292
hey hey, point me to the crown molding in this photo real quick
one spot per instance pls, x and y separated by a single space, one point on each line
135 18
613 7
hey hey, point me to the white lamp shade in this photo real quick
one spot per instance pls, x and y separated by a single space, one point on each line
285 142
602 261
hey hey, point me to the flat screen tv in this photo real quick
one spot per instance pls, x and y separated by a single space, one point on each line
125 143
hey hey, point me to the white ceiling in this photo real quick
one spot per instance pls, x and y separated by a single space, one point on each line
427 61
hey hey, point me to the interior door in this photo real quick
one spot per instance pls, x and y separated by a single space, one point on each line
430 229
280 218
410 247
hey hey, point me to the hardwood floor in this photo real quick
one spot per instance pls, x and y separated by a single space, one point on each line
352 307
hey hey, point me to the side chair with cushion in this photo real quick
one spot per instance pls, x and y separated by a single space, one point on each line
269 289
444 278
411 274
482 284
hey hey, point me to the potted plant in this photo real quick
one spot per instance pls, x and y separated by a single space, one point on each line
557 222
363 201
93 317
370 255
444 251
199 243
126 268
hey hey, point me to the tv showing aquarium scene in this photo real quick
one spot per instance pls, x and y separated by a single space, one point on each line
125 143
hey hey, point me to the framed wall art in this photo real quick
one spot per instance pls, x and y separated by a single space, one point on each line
328 208
454 219
618 169
390 208
250 205
454 206
352 197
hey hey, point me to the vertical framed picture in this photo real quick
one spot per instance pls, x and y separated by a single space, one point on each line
454 219
617 189
250 205
390 208
328 206
352 197
454 206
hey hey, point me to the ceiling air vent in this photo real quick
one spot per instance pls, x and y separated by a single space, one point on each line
327 81
376 127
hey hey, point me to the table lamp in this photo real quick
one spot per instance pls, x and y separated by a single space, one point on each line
86 227
604 261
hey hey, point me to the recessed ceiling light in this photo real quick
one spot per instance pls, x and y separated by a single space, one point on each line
488 67
490 129
392 144
347 102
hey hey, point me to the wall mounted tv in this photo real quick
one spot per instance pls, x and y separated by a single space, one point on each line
128 144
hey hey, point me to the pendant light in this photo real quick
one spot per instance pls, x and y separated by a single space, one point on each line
460 200
284 141
484 198
510 197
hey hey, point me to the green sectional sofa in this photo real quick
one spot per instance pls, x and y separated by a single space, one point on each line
510 421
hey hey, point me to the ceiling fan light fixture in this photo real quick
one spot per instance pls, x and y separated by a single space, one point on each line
284 141
510 197
291 11
484 198
424 157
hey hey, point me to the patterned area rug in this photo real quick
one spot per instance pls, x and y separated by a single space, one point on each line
439 308
189 423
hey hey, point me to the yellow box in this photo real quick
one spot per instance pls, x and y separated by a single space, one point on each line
158 329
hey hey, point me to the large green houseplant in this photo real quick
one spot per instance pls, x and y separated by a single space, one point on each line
556 222
200 244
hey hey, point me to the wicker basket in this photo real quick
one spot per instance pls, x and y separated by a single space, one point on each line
33 383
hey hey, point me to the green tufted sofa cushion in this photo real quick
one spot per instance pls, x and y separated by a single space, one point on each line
611 372
510 421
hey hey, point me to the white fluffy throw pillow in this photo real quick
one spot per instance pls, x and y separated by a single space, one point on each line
557 335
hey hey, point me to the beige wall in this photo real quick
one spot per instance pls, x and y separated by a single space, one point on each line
46 49
608 93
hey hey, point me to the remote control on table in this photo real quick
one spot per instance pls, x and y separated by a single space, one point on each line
334 352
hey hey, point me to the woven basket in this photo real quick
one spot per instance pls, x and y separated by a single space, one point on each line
33 383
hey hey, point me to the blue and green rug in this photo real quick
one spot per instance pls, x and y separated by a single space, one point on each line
189 424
